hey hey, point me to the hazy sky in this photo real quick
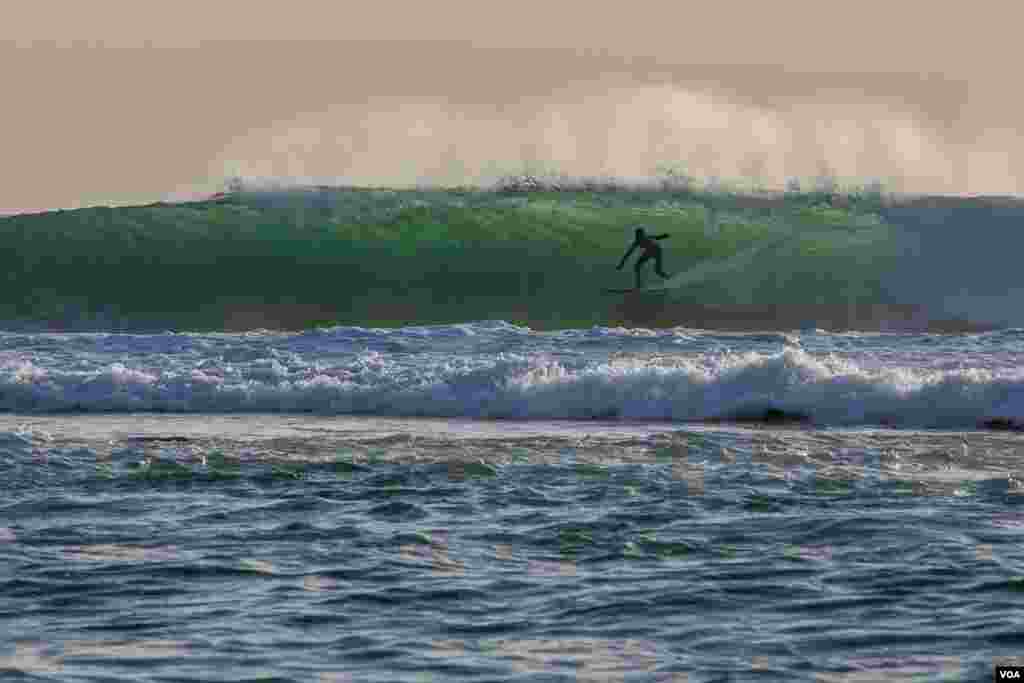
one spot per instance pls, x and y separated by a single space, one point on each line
116 102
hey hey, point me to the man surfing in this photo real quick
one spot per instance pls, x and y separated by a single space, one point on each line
651 249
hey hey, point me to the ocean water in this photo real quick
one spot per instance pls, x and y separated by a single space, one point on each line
324 257
488 502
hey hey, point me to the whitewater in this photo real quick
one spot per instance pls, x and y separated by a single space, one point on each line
495 370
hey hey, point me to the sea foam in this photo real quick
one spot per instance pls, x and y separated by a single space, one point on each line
450 371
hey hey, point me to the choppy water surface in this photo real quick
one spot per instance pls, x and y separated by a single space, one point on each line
402 533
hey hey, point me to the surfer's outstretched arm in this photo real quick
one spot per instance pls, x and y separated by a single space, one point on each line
661 237
632 248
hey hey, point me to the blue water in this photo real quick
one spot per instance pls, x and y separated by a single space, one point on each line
482 502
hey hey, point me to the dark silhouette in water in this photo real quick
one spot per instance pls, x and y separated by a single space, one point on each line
651 249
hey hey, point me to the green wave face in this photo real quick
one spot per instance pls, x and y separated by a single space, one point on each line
368 257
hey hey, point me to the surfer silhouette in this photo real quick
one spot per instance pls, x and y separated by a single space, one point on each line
651 250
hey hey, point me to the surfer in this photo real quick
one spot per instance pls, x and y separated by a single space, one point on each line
651 249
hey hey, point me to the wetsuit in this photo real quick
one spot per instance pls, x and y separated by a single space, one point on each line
650 250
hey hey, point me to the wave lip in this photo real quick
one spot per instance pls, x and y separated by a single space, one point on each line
793 385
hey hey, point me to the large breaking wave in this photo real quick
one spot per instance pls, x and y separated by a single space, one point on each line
535 255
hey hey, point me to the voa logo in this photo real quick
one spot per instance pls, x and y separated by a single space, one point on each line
1008 674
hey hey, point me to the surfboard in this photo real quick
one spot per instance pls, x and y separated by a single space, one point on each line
634 289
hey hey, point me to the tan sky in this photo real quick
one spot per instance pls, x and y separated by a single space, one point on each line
115 102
